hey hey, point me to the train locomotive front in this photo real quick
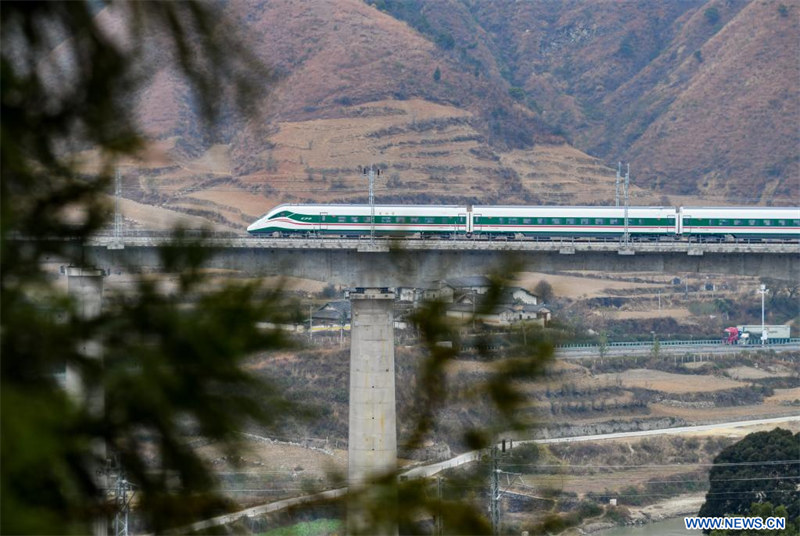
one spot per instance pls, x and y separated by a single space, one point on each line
358 220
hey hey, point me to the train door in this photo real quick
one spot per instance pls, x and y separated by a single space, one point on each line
477 223
672 225
462 228
323 223
469 220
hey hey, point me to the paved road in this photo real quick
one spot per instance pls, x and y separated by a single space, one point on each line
665 349
468 457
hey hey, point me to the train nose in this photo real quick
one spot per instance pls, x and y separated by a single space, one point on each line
255 225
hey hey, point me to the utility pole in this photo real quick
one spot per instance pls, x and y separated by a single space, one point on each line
122 501
439 525
763 291
494 501
117 243
370 172
310 322
619 173
117 215
627 181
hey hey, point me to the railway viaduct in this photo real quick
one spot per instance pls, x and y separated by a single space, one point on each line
390 263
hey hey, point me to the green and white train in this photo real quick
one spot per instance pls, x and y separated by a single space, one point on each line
544 222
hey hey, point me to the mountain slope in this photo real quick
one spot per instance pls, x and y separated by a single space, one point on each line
473 101
625 80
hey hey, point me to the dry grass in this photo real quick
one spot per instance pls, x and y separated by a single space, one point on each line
784 395
748 373
735 413
575 287
157 218
680 313
668 382
600 482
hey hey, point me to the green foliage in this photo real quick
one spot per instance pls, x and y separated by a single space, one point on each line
627 48
617 514
521 455
320 527
783 11
762 467
765 510
544 291
167 370
517 93
712 15
330 292
437 75
170 365
445 40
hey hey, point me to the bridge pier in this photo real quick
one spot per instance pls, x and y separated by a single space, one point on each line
372 438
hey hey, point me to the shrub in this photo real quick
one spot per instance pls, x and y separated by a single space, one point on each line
712 15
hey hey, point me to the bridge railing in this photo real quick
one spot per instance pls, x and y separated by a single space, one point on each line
691 342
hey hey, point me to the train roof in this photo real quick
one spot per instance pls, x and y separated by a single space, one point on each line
570 206
360 205
751 207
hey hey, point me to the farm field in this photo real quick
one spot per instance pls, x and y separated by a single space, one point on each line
668 382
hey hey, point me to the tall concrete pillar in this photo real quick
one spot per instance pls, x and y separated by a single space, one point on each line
372 443
85 285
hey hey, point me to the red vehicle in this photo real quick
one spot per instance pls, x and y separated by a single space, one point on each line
752 334
732 335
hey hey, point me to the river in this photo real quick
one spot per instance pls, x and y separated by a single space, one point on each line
668 527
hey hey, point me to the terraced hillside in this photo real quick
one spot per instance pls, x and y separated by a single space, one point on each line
427 153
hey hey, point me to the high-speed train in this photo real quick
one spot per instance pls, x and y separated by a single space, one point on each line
528 221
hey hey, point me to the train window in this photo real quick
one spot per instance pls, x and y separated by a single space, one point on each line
386 219
556 221
341 219
571 221
598 221
540 221
414 220
513 221
613 221
796 223
767 222
584 221
781 222
722 222
401 219
501 221
428 220
751 222
737 222
353 219
526 221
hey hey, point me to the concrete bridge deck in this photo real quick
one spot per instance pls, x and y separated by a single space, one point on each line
565 247
408 262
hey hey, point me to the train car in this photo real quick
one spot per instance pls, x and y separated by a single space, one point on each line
705 223
345 220
740 222
574 221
